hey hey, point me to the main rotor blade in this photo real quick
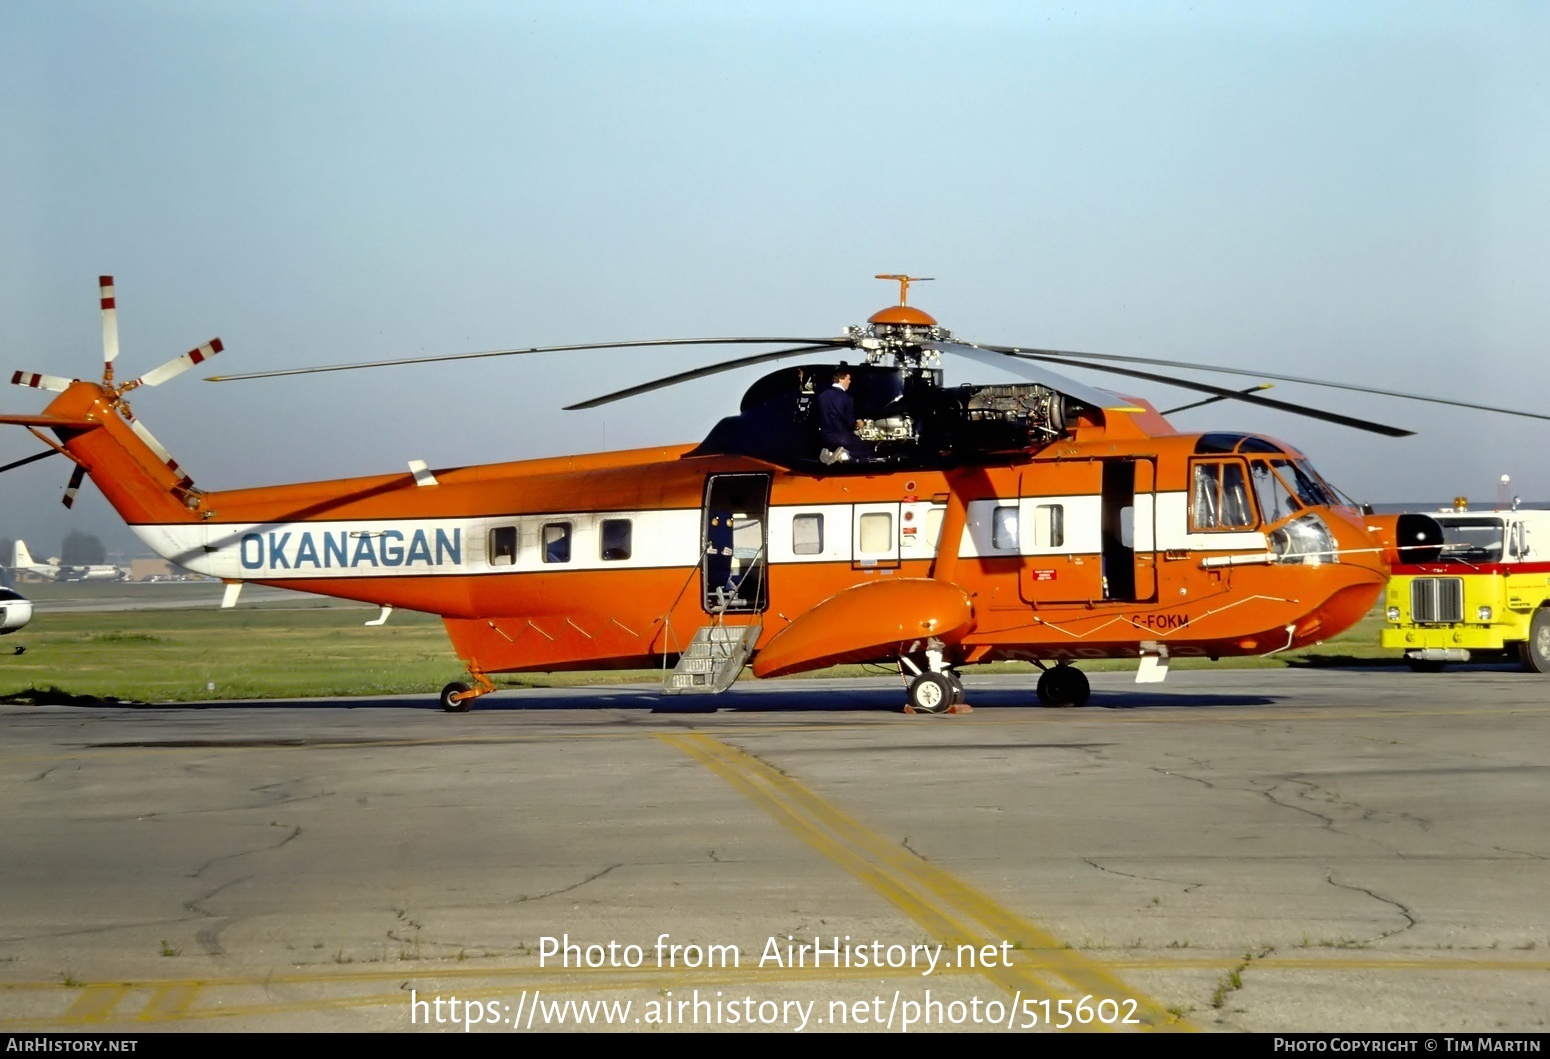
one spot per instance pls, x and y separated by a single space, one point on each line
1055 381
817 343
1231 395
1214 400
1074 355
699 373
34 458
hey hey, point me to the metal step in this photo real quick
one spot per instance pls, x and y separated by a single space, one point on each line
712 660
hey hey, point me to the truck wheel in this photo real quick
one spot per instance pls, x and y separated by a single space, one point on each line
1535 651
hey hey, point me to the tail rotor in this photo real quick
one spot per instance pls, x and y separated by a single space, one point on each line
115 392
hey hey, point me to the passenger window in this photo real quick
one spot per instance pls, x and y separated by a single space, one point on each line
934 526
557 542
1003 529
616 538
876 536
807 535
503 546
1049 526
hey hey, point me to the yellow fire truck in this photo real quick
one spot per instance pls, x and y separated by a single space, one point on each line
1483 589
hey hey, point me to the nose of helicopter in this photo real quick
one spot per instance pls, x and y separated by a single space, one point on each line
1359 578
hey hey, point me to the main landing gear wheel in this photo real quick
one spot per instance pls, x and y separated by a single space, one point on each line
1534 652
1064 686
452 705
958 693
931 693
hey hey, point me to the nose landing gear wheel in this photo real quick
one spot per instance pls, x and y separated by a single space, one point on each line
1064 686
452 705
930 693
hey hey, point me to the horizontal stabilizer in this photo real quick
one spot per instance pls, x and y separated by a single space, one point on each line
51 422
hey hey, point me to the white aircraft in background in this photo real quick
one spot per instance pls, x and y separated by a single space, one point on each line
15 611
54 570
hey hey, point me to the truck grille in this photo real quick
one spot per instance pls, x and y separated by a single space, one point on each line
1437 599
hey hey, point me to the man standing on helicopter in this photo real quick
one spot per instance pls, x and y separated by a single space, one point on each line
837 423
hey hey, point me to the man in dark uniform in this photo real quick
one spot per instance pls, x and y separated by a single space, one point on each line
837 423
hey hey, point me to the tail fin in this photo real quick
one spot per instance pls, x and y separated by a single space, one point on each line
131 468
23 558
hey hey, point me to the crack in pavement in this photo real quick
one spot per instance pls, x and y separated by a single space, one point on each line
1188 887
1410 920
295 831
568 889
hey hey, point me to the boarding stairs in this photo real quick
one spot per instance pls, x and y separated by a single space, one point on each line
713 659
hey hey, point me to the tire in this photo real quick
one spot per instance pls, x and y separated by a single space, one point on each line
958 693
1534 652
1064 686
454 706
930 693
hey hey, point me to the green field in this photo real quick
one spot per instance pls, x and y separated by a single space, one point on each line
317 647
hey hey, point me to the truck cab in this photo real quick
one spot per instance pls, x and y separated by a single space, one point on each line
1483 591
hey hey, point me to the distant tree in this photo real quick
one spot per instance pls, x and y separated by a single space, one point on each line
82 549
7 553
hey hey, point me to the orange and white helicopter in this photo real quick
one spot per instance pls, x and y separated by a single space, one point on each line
1043 520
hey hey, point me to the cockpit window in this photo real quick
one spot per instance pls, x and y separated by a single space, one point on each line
1308 480
1220 497
1285 487
1275 499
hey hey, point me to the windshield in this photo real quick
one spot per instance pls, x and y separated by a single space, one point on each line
1471 540
1285 487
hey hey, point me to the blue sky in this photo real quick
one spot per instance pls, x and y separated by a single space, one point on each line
1358 192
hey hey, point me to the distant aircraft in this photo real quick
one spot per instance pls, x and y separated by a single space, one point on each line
15 611
54 570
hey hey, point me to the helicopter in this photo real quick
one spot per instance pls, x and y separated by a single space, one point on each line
1041 520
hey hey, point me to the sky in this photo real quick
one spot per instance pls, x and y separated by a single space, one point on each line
1357 192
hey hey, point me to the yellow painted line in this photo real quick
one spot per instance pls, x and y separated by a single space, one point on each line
950 909
174 1000
95 1003
169 1002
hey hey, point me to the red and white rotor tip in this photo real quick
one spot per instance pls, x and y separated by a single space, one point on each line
40 382
109 320
178 365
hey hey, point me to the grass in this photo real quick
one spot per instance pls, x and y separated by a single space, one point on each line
313 647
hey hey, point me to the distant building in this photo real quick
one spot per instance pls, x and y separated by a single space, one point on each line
145 569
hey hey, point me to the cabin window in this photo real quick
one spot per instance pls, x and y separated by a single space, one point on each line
876 533
1220 498
556 539
1003 528
616 539
807 535
1049 526
503 546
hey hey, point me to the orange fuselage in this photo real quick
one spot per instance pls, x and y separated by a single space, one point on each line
1098 545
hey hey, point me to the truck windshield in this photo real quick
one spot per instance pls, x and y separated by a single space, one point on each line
1471 540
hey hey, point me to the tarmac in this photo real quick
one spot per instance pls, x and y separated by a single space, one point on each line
1308 849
